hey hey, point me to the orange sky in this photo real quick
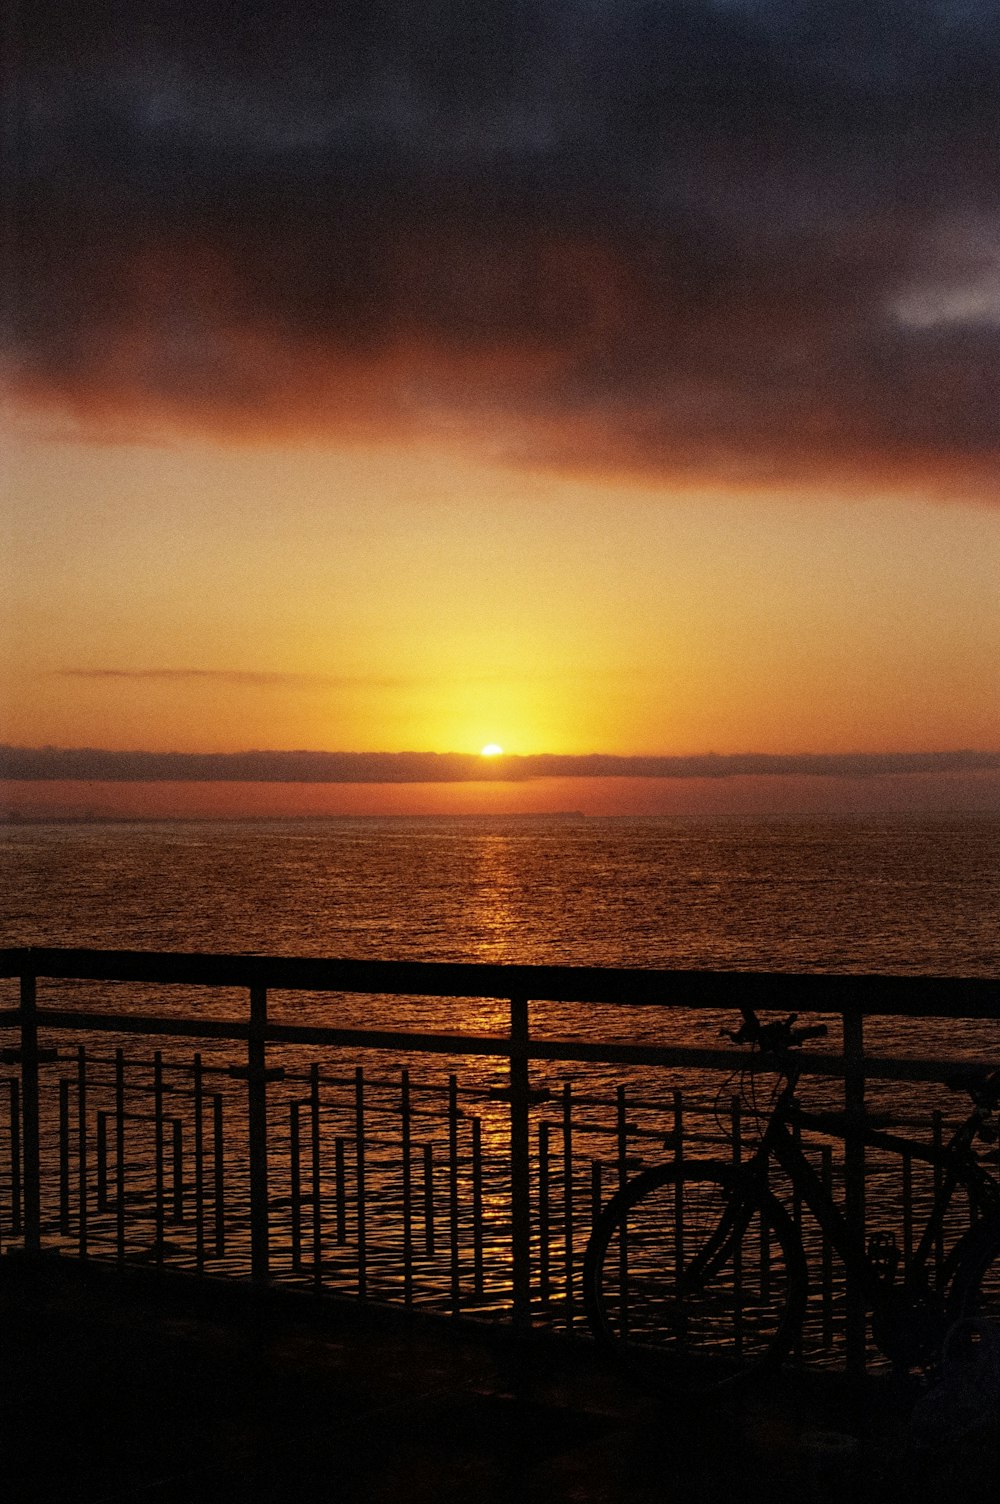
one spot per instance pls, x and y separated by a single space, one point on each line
193 596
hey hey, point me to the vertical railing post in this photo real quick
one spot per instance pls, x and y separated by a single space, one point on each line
544 1288
453 1197
317 1204
218 1165
520 1163
854 1181
295 1183
257 1134
407 1166
120 1154
477 1206
64 1157
567 1151
199 1165
29 1111
361 1175
158 1175
81 1143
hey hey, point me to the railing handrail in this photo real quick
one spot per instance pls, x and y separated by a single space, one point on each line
890 995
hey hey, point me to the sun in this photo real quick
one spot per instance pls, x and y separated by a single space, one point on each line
491 750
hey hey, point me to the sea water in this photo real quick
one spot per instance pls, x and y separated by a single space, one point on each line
896 895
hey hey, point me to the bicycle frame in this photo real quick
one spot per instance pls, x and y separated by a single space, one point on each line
686 1288
956 1159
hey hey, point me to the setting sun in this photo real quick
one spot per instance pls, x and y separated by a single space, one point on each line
491 750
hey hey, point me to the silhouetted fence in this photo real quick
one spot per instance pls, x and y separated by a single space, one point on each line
429 1167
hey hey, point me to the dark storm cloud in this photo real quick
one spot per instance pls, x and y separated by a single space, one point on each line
88 763
754 242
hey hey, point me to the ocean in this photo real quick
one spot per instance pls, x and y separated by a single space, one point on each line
901 894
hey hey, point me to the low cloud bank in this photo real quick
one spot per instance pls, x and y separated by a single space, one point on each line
22 764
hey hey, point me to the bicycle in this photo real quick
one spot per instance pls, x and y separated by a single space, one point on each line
698 1267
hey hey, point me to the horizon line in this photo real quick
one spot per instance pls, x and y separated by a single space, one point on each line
100 765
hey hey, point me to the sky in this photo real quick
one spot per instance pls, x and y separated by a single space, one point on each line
588 379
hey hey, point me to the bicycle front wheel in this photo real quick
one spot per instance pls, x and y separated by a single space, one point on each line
702 1280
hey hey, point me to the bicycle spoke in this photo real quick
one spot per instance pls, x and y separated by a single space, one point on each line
677 1274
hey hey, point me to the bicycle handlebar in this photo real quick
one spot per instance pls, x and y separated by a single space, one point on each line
982 1084
773 1038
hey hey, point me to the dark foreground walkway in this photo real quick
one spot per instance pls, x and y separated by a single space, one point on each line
126 1389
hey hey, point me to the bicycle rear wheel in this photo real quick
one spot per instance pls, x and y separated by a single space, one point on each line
974 1293
685 1275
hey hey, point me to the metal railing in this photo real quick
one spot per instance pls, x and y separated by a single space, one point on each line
468 1189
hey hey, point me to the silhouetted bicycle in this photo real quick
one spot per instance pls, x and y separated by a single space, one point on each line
697 1267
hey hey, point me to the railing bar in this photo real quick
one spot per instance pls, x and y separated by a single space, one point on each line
453 1194
29 1110
64 1157
102 1161
937 1139
16 1199
199 1170
520 1168
826 1256
876 1068
854 1182
891 996
407 1168
622 1142
567 1157
796 1188
678 1136
317 1206
178 1168
81 1146
477 1204
736 1152
257 1135
158 1167
544 1289
429 1200
907 1167
340 1190
359 1151
120 1154
295 1183
388 1039
218 1165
